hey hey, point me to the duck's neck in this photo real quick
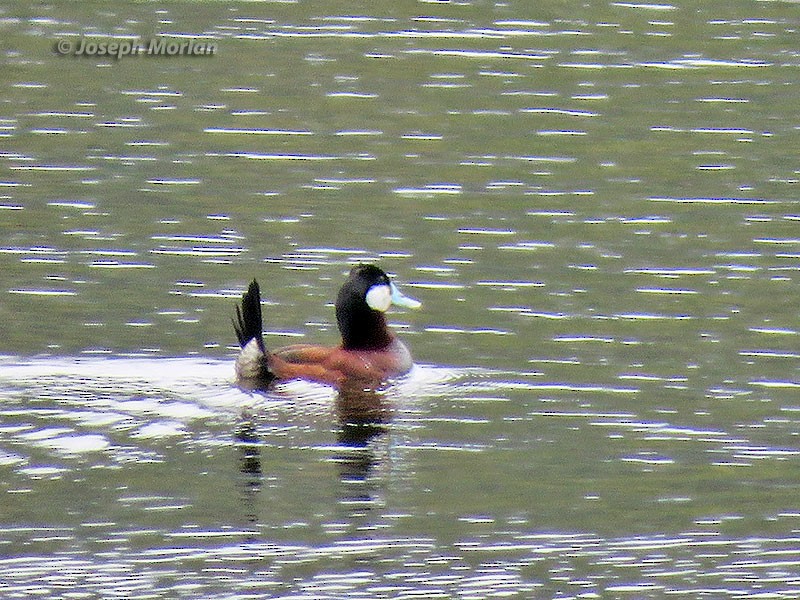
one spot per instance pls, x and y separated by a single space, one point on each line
363 330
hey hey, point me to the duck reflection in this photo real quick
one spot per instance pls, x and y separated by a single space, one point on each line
363 417
250 467
362 405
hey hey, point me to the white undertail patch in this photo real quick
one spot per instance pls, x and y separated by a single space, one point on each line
249 362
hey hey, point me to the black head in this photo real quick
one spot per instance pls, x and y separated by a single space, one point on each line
363 299
363 327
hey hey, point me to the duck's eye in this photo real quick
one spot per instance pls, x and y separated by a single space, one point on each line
379 297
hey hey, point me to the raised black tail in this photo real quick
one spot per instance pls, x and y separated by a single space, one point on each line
247 322
252 364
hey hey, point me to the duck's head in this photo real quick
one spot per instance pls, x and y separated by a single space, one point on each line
364 297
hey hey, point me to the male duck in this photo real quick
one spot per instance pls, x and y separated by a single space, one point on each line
369 352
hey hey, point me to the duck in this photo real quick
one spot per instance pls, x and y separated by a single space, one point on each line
369 353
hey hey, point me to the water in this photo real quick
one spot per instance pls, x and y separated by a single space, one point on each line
597 206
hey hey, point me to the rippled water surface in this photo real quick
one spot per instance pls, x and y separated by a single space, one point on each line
598 206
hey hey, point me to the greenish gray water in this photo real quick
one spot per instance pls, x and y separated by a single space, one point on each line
597 204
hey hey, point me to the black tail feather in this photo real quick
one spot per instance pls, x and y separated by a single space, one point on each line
247 322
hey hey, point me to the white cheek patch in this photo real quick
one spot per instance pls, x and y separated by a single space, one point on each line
379 297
